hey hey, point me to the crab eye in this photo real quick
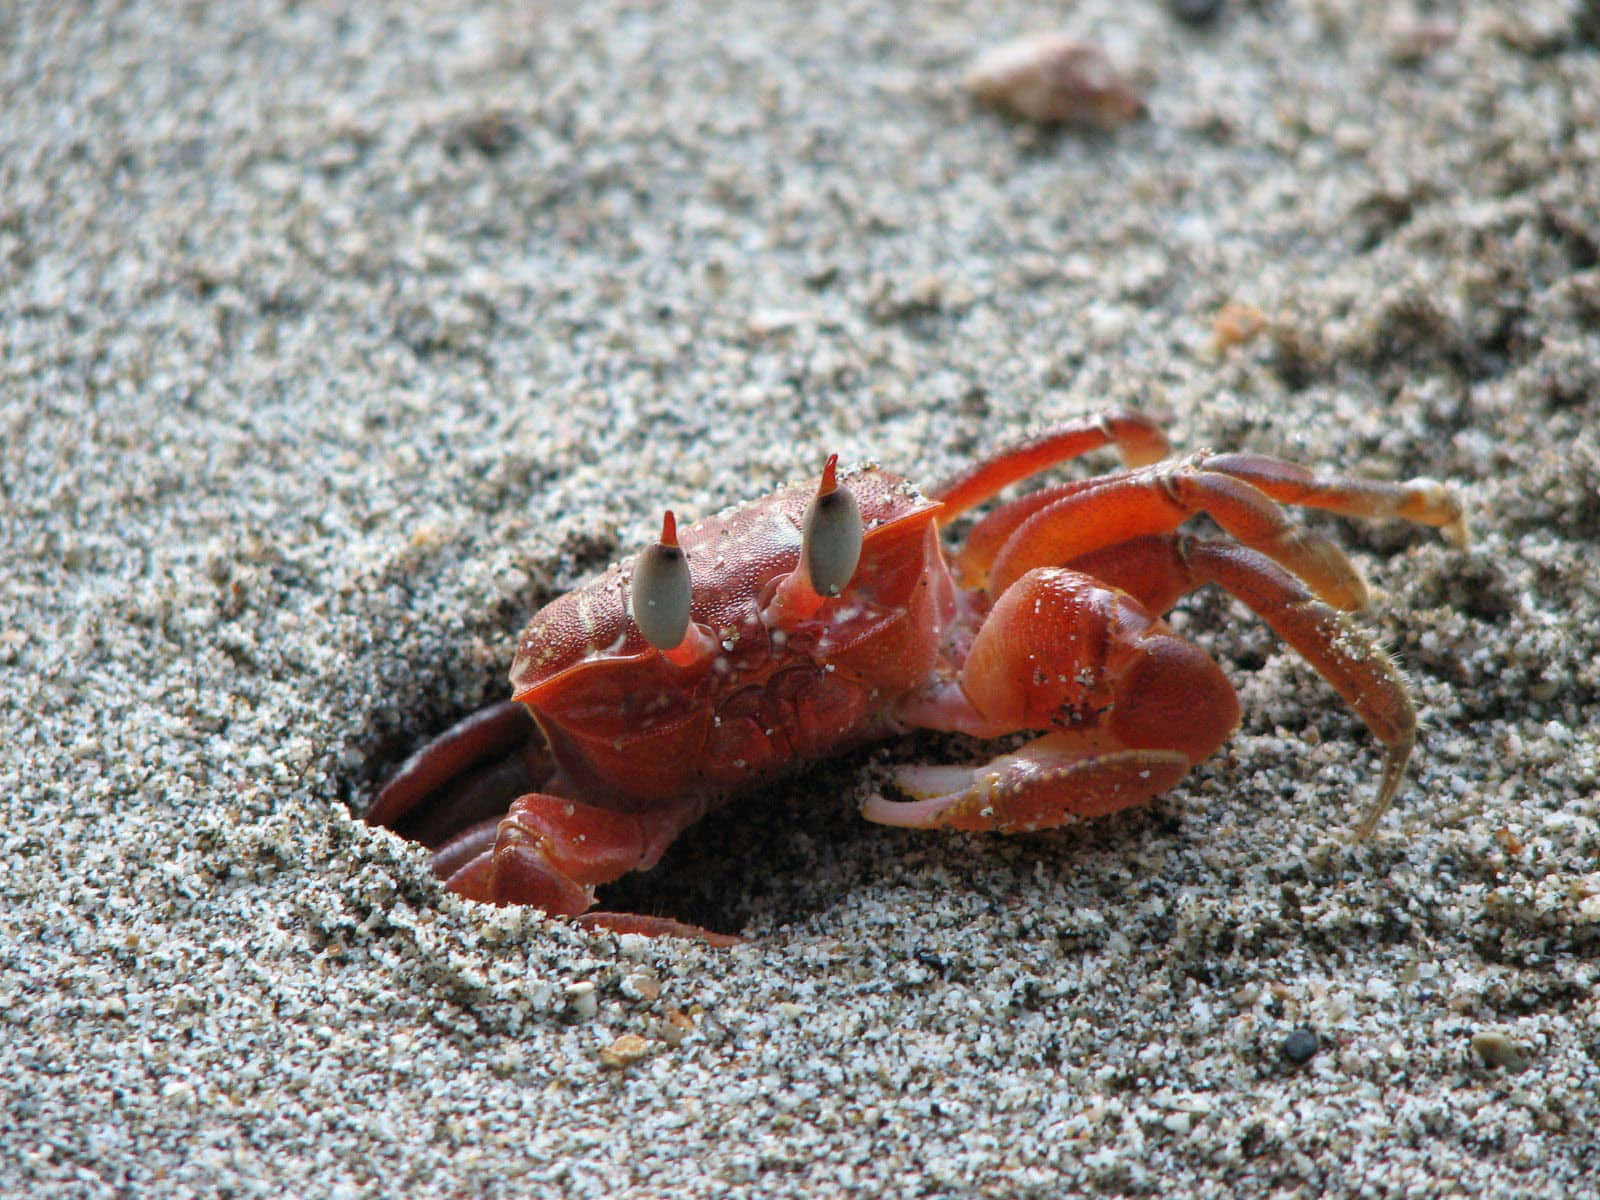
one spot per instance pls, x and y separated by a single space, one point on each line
832 534
662 589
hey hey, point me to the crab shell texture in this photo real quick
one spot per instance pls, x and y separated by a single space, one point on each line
628 727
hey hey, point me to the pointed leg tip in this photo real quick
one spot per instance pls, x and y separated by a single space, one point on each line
1394 773
636 923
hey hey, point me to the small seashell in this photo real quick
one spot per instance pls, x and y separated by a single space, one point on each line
1497 1050
625 1051
1053 80
1235 324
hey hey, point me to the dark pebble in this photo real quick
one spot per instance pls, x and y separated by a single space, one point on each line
934 962
1300 1045
1196 12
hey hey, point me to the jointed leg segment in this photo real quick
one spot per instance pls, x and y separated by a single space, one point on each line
1123 721
1062 523
473 798
1138 440
1423 501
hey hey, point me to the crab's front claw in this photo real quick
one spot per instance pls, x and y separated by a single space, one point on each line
551 853
1131 707
513 868
1048 782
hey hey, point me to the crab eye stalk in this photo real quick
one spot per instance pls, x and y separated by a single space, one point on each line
831 534
662 590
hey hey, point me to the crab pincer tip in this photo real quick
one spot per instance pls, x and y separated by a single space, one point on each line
669 529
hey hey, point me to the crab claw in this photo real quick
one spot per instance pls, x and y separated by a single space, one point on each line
551 853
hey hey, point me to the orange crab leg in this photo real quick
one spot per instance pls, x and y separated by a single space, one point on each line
621 922
1159 499
1138 440
1423 501
1189 487
976 555
551 853
470 772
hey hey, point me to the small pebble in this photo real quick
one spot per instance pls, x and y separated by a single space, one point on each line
1300 1045
1196 12
1053 80
641 985
1497 1050
625 1051
1235 324
581 996
676 1027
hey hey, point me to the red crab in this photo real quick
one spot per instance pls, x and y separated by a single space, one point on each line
821 618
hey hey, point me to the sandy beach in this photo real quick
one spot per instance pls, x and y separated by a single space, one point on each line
337 339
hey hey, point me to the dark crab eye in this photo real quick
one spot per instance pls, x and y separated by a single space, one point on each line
662 589
832 534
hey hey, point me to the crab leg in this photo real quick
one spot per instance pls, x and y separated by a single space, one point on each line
976 555
1059 523
471 771
551 853
1160 499
1138 440
453 797
1423 501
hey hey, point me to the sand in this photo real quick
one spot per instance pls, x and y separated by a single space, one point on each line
337 339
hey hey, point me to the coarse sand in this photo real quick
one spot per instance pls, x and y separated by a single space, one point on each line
337 338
